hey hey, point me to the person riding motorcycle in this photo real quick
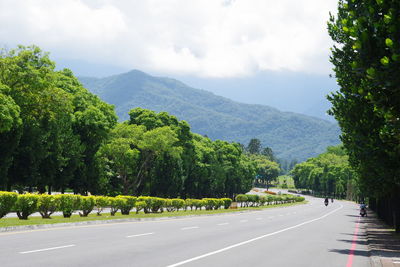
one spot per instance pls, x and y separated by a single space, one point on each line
326 201
363 209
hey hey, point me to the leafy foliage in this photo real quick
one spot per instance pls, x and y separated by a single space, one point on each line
329 174
367 107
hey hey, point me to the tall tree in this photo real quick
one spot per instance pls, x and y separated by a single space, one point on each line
367 107
254 146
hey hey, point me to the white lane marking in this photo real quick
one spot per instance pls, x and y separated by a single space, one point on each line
188 228
252 240
45 249
222 223
140 235
243 221
270 217
258 219
280 215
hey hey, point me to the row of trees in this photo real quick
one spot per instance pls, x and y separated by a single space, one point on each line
155 154
50 126
328 174
56 135
366 63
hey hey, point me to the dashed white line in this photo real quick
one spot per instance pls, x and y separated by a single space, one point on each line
270 217
258 219
243 221
140 235
46 249
251 240
189 228
222 223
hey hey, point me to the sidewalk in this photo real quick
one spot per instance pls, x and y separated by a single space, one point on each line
383 242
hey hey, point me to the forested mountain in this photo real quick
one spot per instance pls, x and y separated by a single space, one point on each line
290 135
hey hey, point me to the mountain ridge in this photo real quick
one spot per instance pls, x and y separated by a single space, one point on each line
290 135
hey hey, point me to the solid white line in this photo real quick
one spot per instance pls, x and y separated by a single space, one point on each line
188 228
252 240
222 223
140 235
45 249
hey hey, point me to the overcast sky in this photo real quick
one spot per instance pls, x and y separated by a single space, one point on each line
204 38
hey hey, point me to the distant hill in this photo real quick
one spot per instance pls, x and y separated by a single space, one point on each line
290 135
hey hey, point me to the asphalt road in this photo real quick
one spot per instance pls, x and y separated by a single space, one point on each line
305 235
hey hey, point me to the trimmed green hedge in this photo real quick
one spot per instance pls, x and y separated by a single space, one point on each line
260 200
26 204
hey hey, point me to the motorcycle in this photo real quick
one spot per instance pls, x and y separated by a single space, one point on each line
363 212
326 202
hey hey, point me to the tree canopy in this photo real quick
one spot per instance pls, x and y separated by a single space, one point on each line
366 61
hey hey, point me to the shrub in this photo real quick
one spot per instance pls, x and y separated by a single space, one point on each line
157 204
252 199
127 205
69 204
101 203
147 200
7 201
47 205
26 205
189 203
208 203
262 200
299 199
270 199
241 198
212 203
178 203
112 201
87 204
140 205
227 202
168 205
198 203
270 192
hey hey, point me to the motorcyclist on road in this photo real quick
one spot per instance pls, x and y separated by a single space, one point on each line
363 209
326 201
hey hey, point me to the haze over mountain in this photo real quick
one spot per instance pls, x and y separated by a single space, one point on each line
290 135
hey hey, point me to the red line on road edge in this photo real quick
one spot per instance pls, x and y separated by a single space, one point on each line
353 245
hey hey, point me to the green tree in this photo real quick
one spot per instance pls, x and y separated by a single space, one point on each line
367 59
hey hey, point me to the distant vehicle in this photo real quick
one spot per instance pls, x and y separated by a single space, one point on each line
326 201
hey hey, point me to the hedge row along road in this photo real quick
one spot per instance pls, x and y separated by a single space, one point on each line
306 235
26 204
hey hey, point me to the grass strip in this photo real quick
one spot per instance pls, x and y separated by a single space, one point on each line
7 222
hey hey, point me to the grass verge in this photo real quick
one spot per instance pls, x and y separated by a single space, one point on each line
7 222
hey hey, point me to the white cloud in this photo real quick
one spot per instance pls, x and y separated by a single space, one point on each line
200 37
